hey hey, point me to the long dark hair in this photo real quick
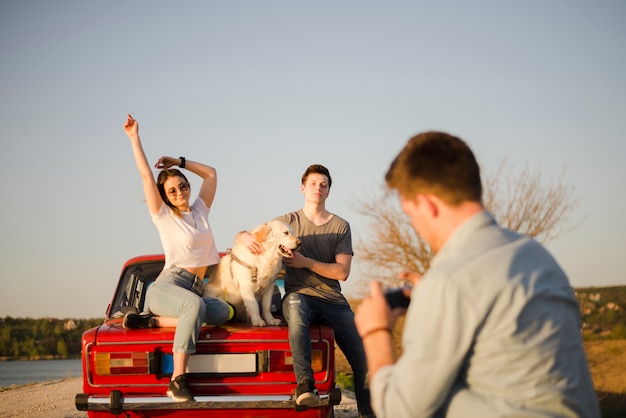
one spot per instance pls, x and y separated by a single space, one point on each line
161 179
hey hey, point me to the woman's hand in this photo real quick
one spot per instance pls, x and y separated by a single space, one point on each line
165 162
153 198
131 127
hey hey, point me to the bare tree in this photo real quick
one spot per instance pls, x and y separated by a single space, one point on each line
523 203
393 245
520 201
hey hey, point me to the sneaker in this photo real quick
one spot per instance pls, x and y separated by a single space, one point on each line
134 320
306 393
178 389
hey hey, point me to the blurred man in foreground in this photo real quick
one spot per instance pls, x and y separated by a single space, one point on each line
493 328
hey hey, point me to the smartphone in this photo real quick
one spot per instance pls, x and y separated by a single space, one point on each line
396 296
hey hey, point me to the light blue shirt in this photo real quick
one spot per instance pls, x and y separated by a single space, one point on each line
493 329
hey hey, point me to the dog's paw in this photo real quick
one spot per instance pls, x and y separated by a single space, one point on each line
273 321
258 322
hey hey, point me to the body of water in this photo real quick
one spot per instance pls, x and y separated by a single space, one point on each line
23 372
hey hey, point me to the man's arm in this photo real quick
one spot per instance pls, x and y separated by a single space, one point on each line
374 322
339 270
437 333
249 241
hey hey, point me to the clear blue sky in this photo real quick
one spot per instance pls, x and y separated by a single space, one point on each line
262 89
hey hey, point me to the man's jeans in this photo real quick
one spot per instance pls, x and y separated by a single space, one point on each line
300 311
171 295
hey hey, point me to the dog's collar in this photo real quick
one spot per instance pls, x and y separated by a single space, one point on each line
253 270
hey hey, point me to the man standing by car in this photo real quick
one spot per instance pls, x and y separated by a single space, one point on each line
493 327
312 288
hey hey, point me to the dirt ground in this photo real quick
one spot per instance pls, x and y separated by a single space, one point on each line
42 400
55 399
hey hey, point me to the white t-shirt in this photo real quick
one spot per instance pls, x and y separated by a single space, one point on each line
187 241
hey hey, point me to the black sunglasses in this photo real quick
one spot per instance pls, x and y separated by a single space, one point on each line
183 187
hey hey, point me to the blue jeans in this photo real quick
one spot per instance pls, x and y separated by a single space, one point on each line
170 295
300 311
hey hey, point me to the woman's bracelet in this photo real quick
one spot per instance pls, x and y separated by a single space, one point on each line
182 162
375 330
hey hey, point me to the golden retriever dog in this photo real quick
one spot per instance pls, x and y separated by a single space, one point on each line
244 279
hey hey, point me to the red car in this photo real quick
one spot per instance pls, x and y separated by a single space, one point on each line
238 370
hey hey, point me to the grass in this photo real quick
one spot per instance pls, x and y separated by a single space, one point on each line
607 361
345 381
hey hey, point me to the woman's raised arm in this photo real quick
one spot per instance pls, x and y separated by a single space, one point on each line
153 198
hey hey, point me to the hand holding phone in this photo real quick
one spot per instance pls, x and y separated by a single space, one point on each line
397 296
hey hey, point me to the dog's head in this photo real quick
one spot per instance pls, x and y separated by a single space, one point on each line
277 236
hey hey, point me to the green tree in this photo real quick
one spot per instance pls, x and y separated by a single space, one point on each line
5 340
29 348
16 349
26 337
62 348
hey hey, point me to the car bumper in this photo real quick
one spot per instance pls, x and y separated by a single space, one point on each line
116 403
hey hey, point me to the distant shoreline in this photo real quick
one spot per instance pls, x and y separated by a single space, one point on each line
35 358
43 382
24 372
